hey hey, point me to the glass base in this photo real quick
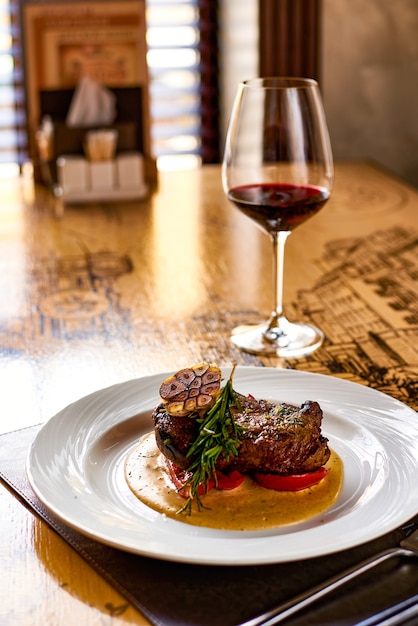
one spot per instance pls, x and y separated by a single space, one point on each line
294 340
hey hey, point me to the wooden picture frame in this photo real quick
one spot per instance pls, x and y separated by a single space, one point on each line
106 40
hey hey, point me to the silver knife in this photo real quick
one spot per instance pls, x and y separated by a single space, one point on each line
408 547
394 615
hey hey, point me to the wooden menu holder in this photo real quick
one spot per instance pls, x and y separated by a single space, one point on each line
64 41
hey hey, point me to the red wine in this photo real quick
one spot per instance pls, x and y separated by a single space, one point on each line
278 206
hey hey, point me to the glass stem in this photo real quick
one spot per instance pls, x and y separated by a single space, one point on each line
277 321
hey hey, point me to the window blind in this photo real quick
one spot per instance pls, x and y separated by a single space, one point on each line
173 40
183 50
182 44
13 138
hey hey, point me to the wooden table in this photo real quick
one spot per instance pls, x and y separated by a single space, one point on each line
110 293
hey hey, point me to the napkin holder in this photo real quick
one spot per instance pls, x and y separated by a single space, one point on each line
80 179
63 157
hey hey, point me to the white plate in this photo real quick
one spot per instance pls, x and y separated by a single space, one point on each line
75 467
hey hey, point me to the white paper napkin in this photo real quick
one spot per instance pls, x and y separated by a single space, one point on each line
92 105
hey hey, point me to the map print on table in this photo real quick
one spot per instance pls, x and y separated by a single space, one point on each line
69 298
366 304
77 295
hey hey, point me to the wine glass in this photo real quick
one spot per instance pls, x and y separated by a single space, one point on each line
278 170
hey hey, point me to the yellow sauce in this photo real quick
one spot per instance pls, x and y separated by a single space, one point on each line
248 507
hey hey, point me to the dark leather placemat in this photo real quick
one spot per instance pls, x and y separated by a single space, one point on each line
176 594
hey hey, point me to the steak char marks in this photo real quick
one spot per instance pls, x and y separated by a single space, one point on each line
275 438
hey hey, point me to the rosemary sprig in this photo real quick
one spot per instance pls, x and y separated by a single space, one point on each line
218 435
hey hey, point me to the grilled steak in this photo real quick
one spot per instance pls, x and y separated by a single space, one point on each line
276 438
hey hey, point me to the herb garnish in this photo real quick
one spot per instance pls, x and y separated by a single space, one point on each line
218 435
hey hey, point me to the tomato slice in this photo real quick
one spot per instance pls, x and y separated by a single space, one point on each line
179 478
229 481
291 482
224 481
